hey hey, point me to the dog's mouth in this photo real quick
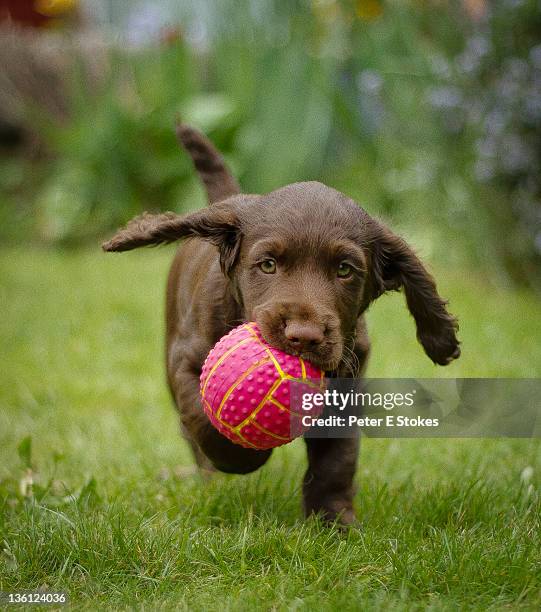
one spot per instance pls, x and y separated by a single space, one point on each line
326 357
327 364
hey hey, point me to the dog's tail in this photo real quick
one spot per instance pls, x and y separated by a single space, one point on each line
209 163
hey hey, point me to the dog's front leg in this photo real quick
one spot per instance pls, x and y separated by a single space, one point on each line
328 483
211 449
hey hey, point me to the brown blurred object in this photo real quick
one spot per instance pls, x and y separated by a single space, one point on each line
21 12
35 75
30 82
31 73
35 13
476 9
171 35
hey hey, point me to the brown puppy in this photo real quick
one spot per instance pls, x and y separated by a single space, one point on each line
304 262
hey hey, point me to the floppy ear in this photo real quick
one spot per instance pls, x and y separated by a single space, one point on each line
219 225
395 266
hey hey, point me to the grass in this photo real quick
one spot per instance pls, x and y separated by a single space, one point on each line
118 520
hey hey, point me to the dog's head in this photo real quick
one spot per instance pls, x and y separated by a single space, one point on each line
305 262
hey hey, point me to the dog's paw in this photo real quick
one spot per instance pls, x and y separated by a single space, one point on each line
337 512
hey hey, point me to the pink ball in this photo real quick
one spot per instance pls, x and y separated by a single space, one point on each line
245 389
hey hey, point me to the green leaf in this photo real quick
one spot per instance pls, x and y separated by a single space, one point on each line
208 111
89 495
25 451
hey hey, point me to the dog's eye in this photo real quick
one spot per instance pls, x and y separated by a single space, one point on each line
344 270
268 266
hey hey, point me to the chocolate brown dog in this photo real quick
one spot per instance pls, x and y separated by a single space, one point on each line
304 262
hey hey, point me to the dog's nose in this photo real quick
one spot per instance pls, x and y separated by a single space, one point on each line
303 336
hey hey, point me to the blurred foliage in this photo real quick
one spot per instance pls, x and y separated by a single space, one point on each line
425 113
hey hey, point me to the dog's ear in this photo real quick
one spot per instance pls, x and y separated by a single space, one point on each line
394 266
219 224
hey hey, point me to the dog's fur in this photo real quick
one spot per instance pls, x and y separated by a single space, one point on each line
220 277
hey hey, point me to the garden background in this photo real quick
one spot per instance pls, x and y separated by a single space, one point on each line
428 114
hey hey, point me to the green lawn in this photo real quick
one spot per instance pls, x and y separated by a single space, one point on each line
119 520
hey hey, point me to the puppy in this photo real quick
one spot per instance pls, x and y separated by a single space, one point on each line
304 262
